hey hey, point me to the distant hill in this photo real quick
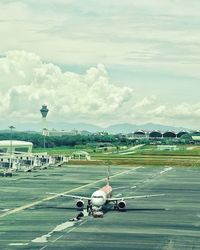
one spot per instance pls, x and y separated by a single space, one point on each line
54 125
128 128
121 128
114 129
152 126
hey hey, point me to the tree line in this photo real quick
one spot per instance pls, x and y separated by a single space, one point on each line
65 140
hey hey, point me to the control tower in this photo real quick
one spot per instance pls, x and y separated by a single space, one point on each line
44 111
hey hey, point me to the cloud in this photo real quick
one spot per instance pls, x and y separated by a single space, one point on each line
185 111
159 111
145 102
134 32
27 83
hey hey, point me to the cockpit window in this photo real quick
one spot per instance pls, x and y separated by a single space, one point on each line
97 196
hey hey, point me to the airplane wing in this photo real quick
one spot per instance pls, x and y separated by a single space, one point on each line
72 196
133 197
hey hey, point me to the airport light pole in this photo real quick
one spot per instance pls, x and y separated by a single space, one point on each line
44 137
11 145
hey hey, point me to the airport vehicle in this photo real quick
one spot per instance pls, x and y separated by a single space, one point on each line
102 197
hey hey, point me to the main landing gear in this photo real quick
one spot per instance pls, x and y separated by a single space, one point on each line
115 207
89 208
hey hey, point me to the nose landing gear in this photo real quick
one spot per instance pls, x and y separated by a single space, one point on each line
95 212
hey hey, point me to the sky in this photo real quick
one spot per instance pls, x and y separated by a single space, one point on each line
100 62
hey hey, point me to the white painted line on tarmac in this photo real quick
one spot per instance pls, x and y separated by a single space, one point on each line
57 238
165 170
71 230
18 244
63 226
83 223
43 247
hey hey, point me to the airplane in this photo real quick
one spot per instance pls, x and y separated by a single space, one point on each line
101 197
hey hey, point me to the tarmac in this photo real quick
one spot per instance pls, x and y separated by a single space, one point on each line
32 219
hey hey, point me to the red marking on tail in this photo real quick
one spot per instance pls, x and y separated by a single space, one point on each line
107 189
108 180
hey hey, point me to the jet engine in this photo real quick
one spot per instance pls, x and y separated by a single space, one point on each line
79 204
121 205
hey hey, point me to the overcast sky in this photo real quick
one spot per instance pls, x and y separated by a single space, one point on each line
101 62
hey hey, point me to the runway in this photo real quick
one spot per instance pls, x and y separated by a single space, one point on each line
18 209
168 222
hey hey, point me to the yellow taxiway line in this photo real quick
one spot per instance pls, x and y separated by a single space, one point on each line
18 209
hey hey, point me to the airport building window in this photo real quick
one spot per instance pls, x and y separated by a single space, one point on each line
21 149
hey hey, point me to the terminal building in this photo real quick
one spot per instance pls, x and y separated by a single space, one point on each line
9 147
156 134
17 155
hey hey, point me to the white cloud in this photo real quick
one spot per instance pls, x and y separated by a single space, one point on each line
144 32
145 102
158 111
185 111
27 82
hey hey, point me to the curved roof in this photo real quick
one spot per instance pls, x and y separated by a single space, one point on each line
6 143
169 133
155 133
183 132
140 131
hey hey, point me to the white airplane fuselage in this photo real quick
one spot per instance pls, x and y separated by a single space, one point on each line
99 197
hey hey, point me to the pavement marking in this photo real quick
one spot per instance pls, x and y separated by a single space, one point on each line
43 247
18 244
71 230
57 238
45 238
18 209
83 223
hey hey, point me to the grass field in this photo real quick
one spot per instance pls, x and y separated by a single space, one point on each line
182 150
170 222
185 155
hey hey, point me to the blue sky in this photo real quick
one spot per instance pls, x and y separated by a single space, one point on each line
149 50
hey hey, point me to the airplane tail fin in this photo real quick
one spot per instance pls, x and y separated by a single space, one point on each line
108 176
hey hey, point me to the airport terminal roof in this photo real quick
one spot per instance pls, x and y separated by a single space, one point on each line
6 143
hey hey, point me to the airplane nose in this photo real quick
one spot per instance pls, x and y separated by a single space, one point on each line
96 202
